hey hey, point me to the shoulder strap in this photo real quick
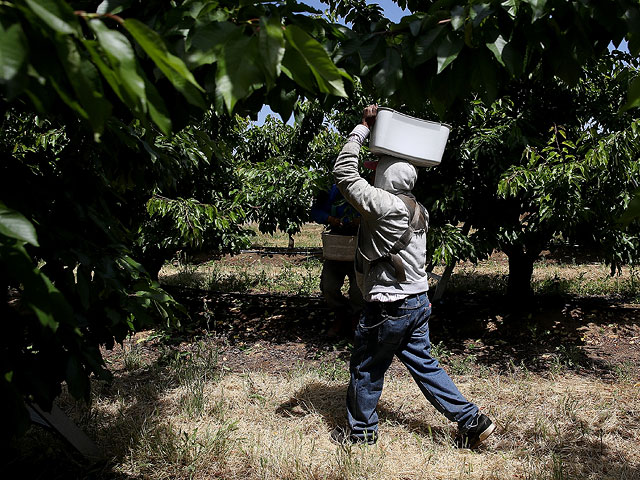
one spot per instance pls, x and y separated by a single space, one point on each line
417 221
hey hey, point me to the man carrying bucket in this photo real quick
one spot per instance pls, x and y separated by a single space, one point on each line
390 262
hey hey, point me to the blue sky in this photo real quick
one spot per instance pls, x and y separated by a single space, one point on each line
392 11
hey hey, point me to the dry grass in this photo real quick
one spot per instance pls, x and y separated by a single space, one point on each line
188 416
308 236
257 425
300 275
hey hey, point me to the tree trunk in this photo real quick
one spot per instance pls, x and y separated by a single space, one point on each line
291 242
520 274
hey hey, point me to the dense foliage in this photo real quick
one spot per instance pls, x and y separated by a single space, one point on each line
285 166
116 110
547 163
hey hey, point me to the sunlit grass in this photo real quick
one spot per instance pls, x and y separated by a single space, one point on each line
308 237
299 274
274 425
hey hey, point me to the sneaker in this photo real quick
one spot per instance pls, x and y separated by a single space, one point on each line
343 436
480 429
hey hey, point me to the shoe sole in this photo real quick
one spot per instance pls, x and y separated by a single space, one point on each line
484 435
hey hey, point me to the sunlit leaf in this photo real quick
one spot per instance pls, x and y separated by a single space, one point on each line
173 67
327 75
57 14
448 50
13 52
497 48
271 45
15 225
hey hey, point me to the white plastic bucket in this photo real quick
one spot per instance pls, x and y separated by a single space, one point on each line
421 142
339 247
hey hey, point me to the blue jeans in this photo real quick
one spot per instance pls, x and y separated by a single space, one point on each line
398 328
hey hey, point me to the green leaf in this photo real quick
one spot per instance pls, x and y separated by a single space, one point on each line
372 52
458 16
237 75
38 293
106 70
157 108
86 83
15 225
271 46
633 95
327 75
57 14
123 60
126 77
497 47
424 47
538 8
208 42
113 6
172 67
295 67
282 102
512 59
633 209
13 52
448 50
388 78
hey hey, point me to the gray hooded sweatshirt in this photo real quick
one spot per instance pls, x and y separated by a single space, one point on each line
384 219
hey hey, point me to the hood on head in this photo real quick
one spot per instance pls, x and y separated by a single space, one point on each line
395 175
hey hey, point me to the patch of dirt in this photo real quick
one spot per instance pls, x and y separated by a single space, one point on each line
263 255
269 332
276 334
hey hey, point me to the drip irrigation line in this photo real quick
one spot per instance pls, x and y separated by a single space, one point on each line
308 253
200 292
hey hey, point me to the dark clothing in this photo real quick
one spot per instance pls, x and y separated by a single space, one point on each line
331 281
332 203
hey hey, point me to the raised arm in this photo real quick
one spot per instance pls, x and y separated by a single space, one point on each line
371 202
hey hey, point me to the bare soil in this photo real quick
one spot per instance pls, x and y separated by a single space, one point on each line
591 335
591 341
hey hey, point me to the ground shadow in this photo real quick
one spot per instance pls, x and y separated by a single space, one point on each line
546 336
575 454
329 402
43 454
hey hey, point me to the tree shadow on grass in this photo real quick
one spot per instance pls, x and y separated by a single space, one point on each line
573 453
554 332
329 402
136 425
546 337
